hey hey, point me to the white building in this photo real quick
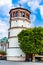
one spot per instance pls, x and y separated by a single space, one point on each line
19 20
3 44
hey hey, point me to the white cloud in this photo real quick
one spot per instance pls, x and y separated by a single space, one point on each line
41 11
5 2
3 29
32 19
22 1
32 2
31 25
5 6
34 5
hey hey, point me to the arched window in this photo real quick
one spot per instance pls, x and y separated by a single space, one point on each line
15 14
22 14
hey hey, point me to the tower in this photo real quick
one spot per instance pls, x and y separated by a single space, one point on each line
19 20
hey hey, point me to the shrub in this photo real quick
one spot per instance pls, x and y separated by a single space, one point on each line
3 52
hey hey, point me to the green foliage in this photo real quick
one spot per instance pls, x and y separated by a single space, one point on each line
3 52
31 40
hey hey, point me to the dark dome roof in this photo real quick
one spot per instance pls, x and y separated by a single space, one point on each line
20 8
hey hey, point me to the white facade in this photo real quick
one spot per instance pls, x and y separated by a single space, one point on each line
15 42
14 32
3 46
15 52
20 23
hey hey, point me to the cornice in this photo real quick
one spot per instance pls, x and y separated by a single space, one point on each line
20 18
12 37
18 28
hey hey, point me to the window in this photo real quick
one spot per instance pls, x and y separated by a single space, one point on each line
21 14
15 14
1 44
21 55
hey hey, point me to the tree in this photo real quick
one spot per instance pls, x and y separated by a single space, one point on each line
2 52
31 40
25 40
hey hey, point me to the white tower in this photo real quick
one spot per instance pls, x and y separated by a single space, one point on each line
19 20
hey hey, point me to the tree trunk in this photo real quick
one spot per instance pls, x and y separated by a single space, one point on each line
29 57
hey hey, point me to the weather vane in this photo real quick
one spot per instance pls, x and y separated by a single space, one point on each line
20 5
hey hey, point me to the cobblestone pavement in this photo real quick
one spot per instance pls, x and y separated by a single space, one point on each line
2 62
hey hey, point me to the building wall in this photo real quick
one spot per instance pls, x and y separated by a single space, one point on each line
14 32
13 42
3 46
15 58
15 52
19 23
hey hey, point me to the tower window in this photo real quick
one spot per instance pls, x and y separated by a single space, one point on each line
21 14
15 14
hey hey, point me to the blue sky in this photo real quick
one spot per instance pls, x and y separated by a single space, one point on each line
35 6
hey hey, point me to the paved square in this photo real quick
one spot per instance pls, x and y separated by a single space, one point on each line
2 62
